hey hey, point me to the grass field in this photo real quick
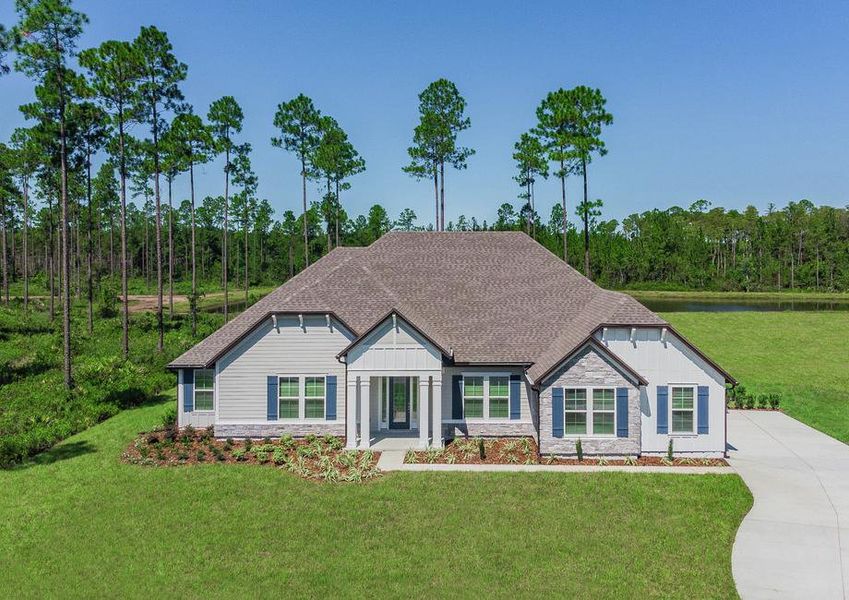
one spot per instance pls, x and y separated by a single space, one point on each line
702 295
79 523
802 355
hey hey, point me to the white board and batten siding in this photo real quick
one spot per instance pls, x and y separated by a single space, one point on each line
394 347
288 349
199 419
667 363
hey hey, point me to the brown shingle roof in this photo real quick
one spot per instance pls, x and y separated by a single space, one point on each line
492 297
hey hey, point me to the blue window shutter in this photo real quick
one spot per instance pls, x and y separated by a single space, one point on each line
621 412
662 409
456 397
272 397
330 406
188 390
515 397
702 410
557 414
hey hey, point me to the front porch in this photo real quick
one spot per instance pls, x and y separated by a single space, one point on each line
394 410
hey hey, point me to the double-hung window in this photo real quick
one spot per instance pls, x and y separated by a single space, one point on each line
576 411
314 397
204 389
499 397
288 391
604 406
473 397
683 409
589 411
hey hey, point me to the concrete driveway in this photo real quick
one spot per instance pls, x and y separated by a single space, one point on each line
794 543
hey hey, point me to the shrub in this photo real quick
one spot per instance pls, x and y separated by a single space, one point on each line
278 456
239 454
763 400
287 441
750 401
266 440
481 449
774 401
170 417
262 456
201 456
248 444
310 438
669 451
739 395
579 449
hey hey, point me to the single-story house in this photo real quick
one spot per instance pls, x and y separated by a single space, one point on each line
439 335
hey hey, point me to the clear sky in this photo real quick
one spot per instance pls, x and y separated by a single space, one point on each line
734 102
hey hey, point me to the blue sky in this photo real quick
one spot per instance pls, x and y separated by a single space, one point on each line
737 103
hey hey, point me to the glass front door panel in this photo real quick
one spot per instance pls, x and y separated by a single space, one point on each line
399 400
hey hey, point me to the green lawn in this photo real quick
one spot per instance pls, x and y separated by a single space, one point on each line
78 522
802 355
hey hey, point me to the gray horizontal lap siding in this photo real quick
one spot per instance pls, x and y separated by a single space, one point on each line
588 369
243 372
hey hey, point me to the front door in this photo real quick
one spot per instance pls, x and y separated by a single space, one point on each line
399 403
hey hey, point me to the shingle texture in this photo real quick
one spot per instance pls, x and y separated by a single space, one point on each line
491 297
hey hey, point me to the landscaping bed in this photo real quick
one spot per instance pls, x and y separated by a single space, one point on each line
320 458
479 451
641 461
523 451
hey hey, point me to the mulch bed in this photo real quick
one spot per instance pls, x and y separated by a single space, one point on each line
467 451
519 451
319 458
642 461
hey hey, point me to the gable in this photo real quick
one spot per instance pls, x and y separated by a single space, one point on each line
393 344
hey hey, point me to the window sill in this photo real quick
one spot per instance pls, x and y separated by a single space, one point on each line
683 435
200 412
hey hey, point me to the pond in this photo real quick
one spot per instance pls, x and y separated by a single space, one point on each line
707 304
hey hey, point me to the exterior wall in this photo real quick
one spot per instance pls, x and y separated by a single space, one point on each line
398 348
241 382
197 419
667 363
524 426
589 368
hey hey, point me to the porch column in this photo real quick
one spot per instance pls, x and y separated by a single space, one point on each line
436 389
351 413
424 438
365 426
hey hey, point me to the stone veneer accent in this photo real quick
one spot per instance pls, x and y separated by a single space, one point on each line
484 429
589 368
274 430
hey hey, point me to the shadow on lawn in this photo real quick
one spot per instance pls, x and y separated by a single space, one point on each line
58 453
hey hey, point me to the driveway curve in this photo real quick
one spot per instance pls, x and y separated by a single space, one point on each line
794 543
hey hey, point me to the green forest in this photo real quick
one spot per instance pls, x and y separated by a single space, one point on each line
87 210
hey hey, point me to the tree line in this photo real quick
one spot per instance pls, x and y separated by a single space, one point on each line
84 204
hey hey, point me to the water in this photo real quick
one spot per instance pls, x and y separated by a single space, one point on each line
742 304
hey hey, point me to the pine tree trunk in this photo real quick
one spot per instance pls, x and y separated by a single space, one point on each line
125 321
194 299
26 250
563 205
306 228
51 259
66 258
90 222
442 196
436 196
3 251
160 345
170 252
247 226
338 208
224 246
586 222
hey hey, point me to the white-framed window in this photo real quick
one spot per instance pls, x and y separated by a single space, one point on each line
575 403
499 396
204 390
289 397
589 412
683 408
604 411
473 396
486 396
314 397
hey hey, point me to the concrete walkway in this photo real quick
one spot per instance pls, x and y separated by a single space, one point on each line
794 543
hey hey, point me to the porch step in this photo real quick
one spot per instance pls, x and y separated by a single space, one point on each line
391 460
